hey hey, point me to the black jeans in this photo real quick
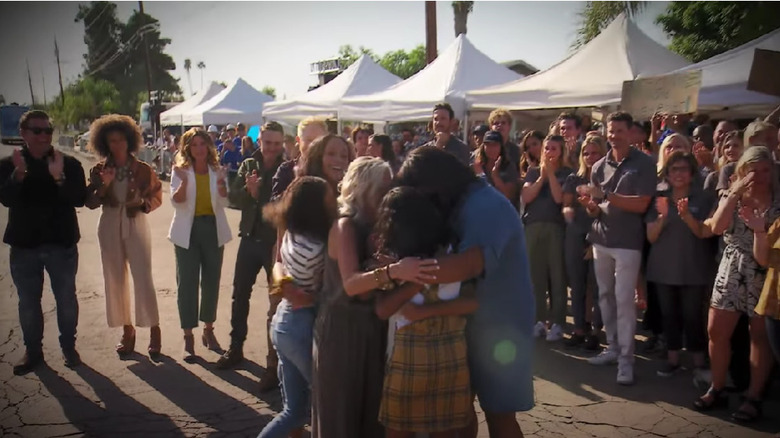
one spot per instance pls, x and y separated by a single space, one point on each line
252 256
773 333
27 266
581 278
681 307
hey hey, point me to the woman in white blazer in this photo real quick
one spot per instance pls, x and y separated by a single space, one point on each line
199 232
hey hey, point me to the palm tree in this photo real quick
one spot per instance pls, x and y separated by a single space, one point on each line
462 11
595 16
201 67
188 67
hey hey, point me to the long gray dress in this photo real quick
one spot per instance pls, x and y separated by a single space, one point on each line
349 349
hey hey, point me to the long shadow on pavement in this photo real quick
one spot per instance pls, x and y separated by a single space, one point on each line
241 381
120 414
568 369
204 403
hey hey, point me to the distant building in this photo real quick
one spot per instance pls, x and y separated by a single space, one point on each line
326 70
520 67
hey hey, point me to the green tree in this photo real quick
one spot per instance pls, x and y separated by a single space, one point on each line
398 62
115 52
102 33
595 16
269 90
461 9
187 68
85 100
348 55
404 64
201 67
701 30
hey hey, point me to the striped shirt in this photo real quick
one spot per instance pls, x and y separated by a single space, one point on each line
304 260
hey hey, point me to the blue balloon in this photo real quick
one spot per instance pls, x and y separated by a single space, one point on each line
254 132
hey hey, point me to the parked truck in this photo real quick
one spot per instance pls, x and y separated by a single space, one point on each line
9 123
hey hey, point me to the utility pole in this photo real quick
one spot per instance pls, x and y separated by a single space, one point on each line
29 80
152 110
430 31
43 81
59 70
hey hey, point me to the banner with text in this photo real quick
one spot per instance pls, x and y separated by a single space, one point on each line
669 94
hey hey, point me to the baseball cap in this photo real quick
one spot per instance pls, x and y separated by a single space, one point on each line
480 130
493 136
230 126
213 128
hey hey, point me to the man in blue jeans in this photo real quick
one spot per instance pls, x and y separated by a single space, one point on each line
42 188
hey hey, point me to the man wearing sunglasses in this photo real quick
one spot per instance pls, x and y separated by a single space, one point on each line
42 188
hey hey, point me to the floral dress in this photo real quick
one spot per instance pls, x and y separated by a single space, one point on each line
740 278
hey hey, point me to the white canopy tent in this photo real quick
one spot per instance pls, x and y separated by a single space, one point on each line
239 102
591 77
362 77
724 79
458 69
175 115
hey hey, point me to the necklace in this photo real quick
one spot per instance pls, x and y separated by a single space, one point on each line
122 173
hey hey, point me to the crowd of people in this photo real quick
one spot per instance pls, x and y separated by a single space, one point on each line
410 277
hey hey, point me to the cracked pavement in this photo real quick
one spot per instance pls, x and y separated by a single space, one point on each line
110 397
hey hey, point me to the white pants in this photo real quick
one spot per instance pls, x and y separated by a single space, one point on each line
127 241
617 271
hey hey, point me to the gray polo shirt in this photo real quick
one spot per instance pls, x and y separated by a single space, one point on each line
544 208
634 176
455 147
513 150
678 257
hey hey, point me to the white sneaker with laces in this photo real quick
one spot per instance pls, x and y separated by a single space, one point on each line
555 334
625 374
606 357
539 329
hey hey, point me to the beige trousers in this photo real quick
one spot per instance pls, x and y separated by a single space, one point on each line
127 241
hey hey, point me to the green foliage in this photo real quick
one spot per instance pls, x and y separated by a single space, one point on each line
85 100
461 10
595 16
187 68
701 29
115 53
398 62
269 90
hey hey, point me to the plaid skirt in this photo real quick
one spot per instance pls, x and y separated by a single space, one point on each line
427 386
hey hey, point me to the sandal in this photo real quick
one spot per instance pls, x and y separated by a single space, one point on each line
717 400
747 416
126 345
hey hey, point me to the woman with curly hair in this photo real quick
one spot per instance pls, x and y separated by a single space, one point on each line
127 189
199 232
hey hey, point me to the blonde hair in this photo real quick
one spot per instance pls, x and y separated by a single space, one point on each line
596 140
753 129
184 157
499 113
753 154
361 182
731 135
313 120
668 141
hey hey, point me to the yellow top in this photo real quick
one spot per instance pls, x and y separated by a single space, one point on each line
769 303
203 195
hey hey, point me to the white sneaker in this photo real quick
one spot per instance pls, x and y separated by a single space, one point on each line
555 334
606 357
539 329
625 374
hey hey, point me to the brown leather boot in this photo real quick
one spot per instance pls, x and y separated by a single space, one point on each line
269 381
209 340
189 348
126 345
231 358
155 342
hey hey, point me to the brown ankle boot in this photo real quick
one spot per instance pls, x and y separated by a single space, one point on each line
155 342
126 345
189 348
209 340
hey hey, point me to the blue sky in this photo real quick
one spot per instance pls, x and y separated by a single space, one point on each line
272 43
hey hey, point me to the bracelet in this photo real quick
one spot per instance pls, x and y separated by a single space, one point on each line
382 285
287 279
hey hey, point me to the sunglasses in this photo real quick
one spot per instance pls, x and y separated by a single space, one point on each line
38 131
